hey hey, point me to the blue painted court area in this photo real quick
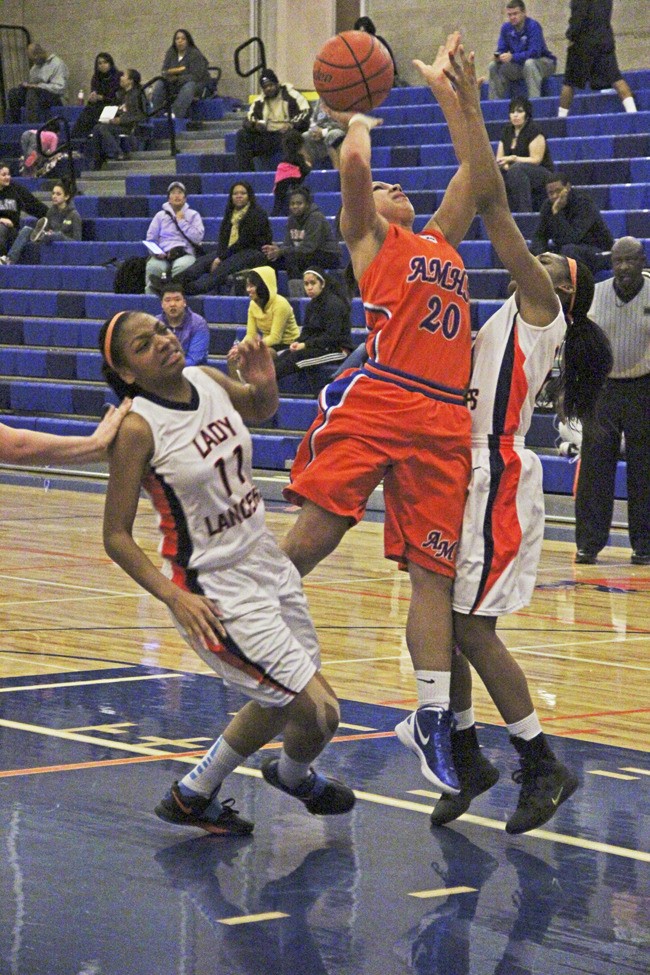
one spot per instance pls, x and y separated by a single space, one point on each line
93 884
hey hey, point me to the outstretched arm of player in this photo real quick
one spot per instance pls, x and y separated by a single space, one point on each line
363 229
457 209
33 447
129 461
538 303
257 398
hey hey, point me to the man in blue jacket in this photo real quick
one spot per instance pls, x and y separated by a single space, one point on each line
191 330
521 53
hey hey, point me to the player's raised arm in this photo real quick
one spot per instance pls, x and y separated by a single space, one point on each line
457 209
362 227
537 300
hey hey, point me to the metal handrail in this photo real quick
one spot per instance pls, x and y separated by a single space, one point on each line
168 109
261 66
28 41
62 148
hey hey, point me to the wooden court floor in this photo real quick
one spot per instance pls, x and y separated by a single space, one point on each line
101 705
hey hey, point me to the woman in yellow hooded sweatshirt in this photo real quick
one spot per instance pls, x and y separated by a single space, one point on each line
269 314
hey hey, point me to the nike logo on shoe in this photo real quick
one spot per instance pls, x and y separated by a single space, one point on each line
556 799
425 741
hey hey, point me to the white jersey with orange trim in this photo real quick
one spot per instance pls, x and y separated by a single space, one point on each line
503 524
200 482
511 360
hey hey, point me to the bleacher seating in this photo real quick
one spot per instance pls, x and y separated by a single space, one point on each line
52 307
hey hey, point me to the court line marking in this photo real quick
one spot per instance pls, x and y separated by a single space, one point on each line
639 771
85 683
366 796
442 892
65 585
613 775
252 918
28 603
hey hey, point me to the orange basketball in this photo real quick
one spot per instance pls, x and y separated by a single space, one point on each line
353 72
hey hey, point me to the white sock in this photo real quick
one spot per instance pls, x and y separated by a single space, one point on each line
433 687
629 104
527 728
215 765
464 719
562 112
290 772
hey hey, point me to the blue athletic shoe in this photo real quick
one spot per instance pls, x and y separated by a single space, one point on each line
218 818
427 732
321 795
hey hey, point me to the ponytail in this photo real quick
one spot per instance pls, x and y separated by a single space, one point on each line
587 358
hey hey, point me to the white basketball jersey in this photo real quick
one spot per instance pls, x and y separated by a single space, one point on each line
511 360
209 511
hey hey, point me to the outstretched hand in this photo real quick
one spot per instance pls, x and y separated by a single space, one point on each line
461 72
254 362
104 434
435 74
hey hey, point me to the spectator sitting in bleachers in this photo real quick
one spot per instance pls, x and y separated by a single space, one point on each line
105 142
291 171
521 52
44 89
14 199
105 90
270 315
172 238
61 222
366 24
591 55
277 110
186 71
523 158
324 137
244 231
326 330
34 162
190 329
574 224
308 239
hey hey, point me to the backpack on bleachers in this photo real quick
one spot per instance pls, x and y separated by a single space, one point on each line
130 276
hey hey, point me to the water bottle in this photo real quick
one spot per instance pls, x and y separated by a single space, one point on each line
81 97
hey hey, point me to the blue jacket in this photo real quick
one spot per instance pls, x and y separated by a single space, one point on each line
194 335
524 44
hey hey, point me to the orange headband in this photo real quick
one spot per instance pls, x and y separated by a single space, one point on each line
573 272
108 338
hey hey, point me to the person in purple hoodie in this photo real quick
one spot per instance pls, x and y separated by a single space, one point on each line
190 329
521 52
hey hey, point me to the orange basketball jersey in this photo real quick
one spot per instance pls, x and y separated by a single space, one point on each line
416 300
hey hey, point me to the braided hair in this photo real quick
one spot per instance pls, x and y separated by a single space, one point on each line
587 358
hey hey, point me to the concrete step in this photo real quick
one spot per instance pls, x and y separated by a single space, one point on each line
127 167
109 186
157 153
195 145
221 127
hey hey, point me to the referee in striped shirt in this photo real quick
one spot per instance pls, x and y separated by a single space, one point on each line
621 307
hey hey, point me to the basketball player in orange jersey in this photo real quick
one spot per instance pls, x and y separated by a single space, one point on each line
402 417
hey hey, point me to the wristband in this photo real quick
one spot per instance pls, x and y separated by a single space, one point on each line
360 117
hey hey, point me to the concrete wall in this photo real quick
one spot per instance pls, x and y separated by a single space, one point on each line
406 27
138 34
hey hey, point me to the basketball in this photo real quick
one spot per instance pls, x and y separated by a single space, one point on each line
353 72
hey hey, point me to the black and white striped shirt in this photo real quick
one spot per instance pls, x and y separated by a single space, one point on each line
627 326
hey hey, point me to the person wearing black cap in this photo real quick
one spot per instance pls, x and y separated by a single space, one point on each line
279 108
